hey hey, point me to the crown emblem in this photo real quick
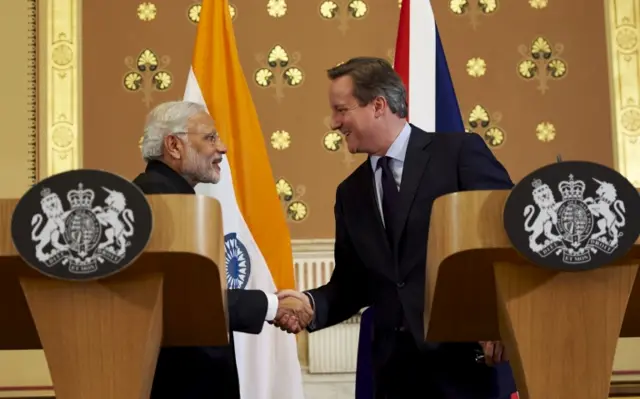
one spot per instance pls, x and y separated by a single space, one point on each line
539 187
48 196
572 189
80 198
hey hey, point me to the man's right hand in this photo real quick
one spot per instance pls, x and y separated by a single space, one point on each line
294 311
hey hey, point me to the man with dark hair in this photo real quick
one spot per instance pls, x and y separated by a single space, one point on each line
382 213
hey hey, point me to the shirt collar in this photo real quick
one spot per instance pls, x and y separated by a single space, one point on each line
398 149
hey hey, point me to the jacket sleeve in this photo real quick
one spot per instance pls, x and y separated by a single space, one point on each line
247 310
478 168
346 292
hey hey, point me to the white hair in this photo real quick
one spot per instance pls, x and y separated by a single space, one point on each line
165 119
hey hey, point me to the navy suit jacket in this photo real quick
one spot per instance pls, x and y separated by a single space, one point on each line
368 273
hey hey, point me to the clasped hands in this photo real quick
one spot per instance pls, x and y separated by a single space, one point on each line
294 311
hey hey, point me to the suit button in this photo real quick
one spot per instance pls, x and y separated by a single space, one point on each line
400 284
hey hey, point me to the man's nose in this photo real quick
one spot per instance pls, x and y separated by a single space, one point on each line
335 123
222 149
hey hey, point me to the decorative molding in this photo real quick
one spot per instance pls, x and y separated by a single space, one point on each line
624 63
312 247
32 87
61 30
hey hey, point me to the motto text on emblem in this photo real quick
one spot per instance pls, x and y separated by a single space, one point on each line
574 227
84 235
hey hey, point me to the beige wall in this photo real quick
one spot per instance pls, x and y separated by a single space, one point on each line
17 98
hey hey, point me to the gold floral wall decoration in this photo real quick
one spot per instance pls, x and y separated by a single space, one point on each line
343 11
277 8
279 71
147 74
486 125
476 67
474 9
538 4
193 12
542 62
147 11
294 208
333 141
545 132
280 140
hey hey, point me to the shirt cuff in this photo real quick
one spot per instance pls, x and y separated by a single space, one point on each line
312 325
272 306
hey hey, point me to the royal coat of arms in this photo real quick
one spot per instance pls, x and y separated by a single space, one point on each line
575 227
82 236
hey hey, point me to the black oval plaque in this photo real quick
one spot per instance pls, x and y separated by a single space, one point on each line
81 225
573 216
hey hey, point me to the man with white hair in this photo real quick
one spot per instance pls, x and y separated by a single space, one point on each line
182 148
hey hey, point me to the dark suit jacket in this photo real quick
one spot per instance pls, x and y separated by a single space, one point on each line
195 372
366 271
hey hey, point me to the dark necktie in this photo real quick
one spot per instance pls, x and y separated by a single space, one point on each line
390 198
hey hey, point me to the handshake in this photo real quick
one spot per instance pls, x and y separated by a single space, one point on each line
294 311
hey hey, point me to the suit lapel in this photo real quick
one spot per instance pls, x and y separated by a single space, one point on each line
415 163
373 226
371 206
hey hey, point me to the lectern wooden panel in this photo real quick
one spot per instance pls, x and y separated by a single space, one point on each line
101 338
560 328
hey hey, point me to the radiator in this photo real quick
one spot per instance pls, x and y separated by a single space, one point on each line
333 349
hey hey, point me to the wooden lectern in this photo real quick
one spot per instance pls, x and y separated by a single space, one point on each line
560 328
101 338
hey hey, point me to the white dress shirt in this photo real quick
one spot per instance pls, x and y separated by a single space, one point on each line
272 306
397 152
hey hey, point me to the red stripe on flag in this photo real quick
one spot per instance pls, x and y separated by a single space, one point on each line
401 59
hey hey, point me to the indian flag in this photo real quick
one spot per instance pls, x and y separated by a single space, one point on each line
257 242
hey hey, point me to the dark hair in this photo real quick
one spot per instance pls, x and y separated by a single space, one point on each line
373 77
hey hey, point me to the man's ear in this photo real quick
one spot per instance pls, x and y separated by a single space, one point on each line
173 146
379 106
